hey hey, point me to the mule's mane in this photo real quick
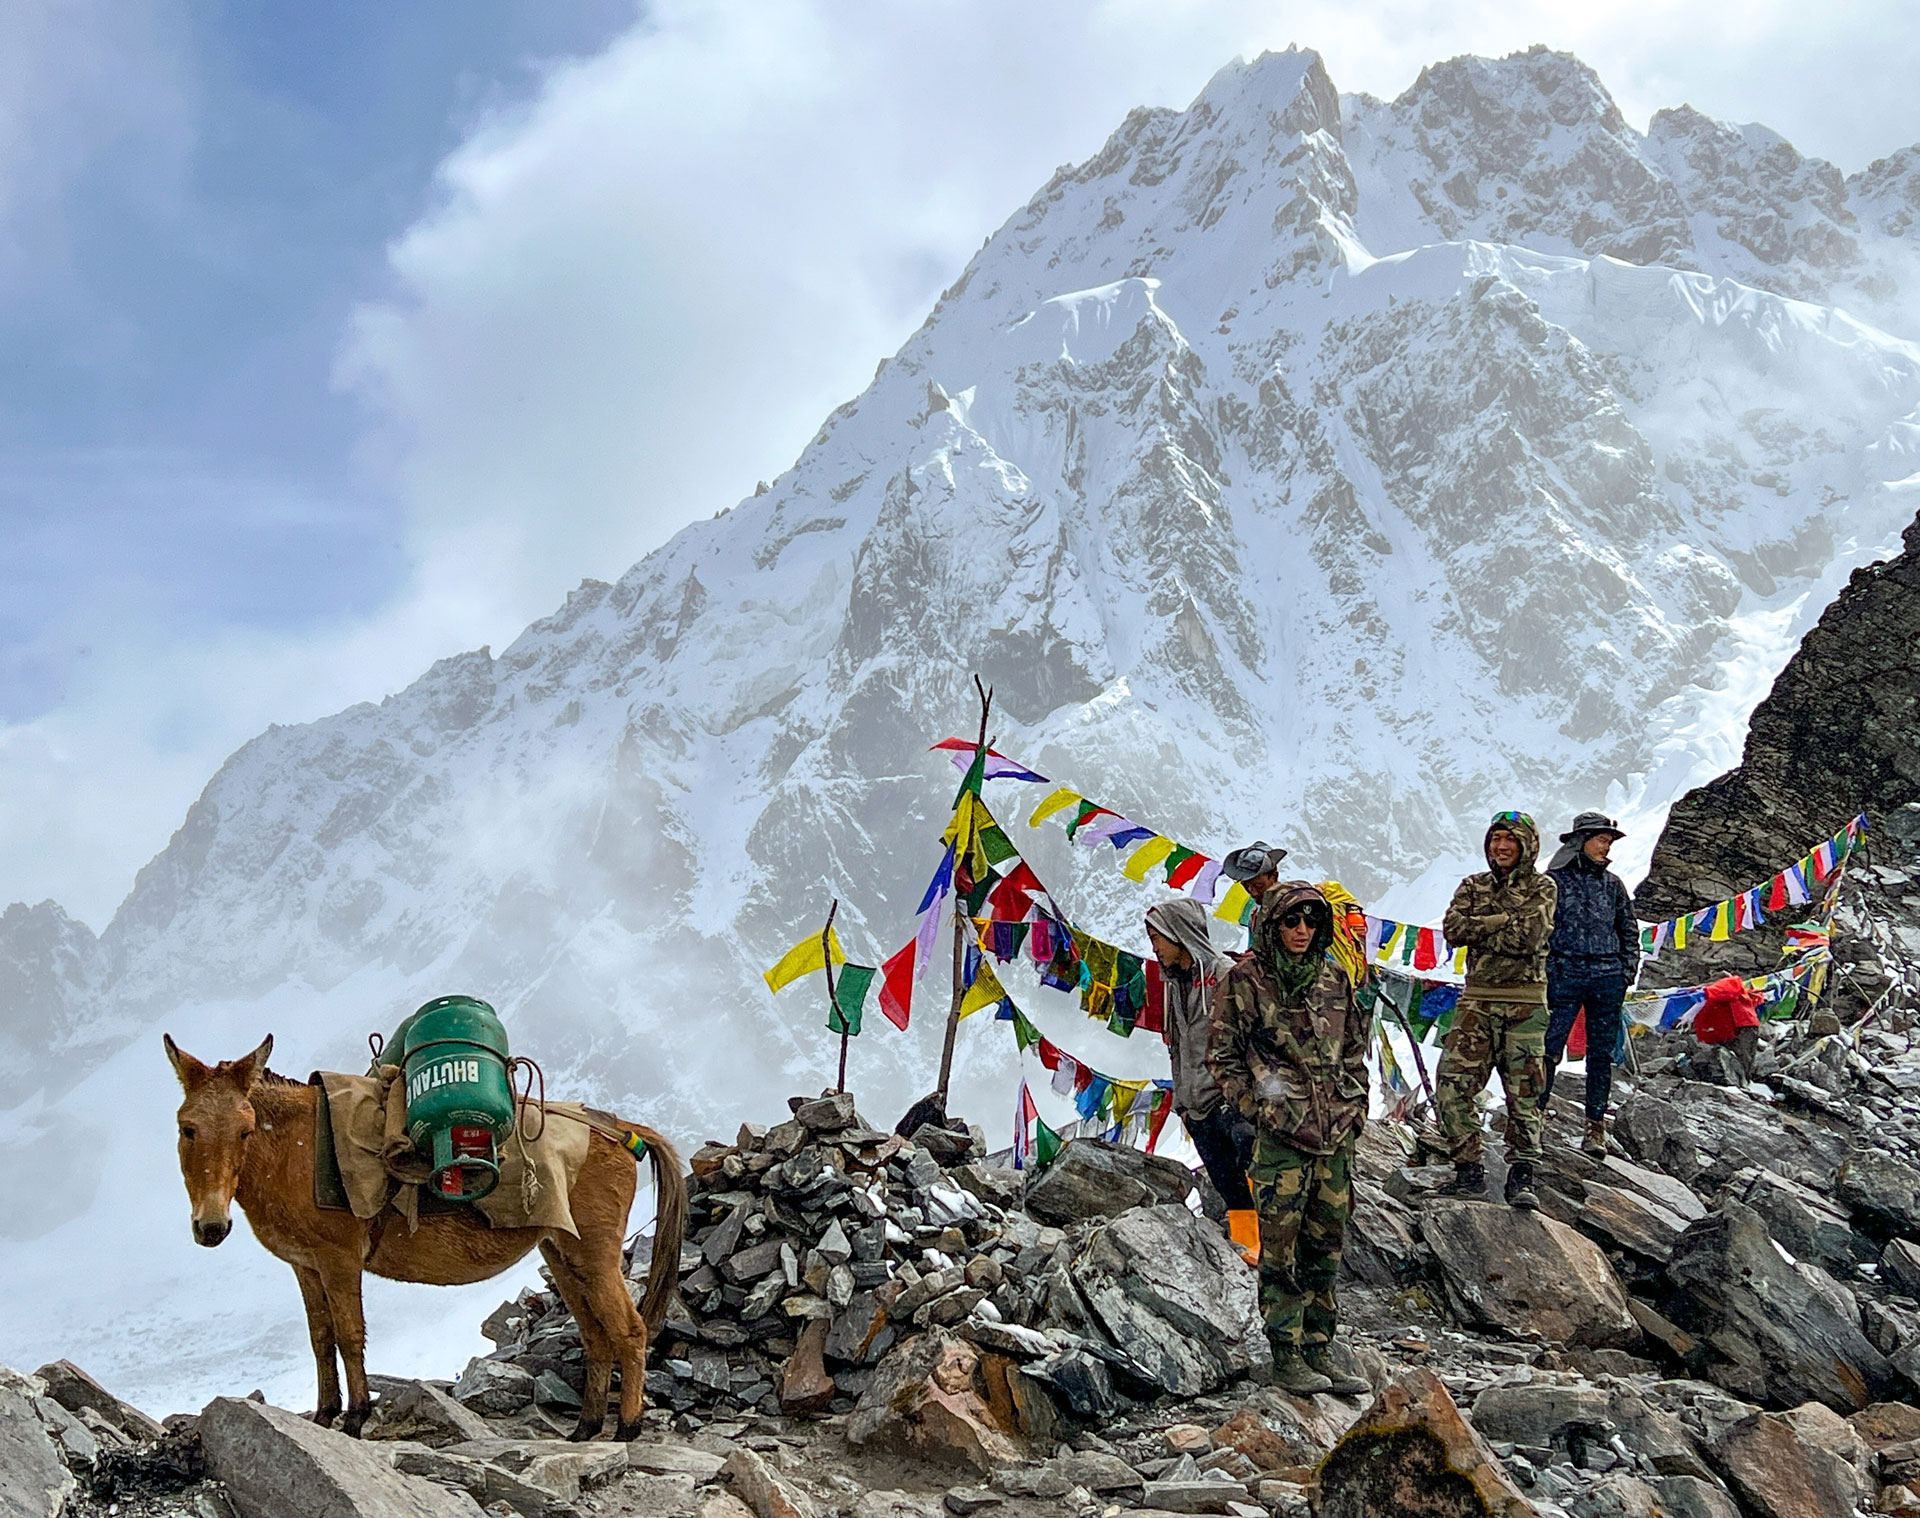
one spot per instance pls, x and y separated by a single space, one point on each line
272 1078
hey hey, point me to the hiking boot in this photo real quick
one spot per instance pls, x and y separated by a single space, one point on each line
1317 1358
1520 1192
1292 1374
1595 1143
1469 1179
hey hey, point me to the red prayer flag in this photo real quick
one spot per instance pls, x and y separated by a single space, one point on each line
1049 1054
1012 899
1777 892
1153 1016
1183 872
896 987
1577 1037
1159 1119
1425 954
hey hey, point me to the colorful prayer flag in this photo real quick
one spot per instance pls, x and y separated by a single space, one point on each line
804 957
896 986
984 992
1235 906
1059 801
1146 857
850 998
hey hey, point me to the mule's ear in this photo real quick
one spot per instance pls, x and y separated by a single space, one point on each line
191 1072
247 1071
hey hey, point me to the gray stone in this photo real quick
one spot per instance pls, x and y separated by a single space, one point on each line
34 1482
431 1416
1098 1472
549 1390
1526 1273
1803 1220
1542 1412
1173 1295
1785 1333
674 1460
1779 1472
1079 1380
826 1114
1882 1191
77 1391
1630 1220
1192 1496
1705 1135
494 1387
1616 1496
1900 1266
1692 1497
1093 1179
278 1465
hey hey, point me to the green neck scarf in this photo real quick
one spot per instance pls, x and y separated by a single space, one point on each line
1296 973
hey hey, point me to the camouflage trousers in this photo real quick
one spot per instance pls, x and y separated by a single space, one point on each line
1508 1036
1304 1201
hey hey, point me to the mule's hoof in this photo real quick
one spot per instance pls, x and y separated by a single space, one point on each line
355 1420
586 1431
323 1416
626 1433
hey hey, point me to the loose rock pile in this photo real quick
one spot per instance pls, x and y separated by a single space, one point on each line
1721 1319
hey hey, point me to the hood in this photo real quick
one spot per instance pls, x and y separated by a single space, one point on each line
1529 837
1184 920
1274 905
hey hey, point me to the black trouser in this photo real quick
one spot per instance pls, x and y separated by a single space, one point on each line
1599 992
1225 1142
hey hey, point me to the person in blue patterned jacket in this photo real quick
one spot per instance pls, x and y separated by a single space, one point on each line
1591 960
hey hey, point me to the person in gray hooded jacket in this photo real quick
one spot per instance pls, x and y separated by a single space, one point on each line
1190 969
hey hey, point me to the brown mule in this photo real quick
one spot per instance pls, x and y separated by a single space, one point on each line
247 1135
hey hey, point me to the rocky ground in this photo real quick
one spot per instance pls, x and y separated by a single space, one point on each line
1718 1319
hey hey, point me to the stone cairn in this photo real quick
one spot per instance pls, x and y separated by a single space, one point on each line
814 1246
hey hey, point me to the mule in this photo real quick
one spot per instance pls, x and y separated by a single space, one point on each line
248 1136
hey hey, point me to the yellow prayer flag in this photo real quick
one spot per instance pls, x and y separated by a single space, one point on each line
984 992
1680 932
1146 857
1233 904
803 958
1722 923
1059 801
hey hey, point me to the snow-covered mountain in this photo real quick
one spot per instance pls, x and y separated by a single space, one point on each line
1300 464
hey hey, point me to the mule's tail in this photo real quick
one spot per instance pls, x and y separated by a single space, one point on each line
669 1227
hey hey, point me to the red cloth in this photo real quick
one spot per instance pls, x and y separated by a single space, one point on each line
1731 1005
1153 1016
896 988
1577 1036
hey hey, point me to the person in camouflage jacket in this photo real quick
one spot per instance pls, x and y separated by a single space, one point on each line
1289 1052
1504 920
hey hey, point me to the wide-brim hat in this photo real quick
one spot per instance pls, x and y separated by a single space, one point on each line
1255 859
1589 823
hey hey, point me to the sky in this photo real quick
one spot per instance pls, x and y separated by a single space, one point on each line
334 340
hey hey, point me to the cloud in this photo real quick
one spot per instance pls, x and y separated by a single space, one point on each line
644 291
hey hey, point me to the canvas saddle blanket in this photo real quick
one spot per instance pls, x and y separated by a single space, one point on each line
362 1116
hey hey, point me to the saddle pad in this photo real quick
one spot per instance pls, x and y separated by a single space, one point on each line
536 1176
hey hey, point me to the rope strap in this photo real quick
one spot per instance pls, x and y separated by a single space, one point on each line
634 1142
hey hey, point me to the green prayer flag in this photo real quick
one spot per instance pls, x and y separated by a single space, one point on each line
850 998
996 844
976 774
1046 1143
1025 1035
1178 857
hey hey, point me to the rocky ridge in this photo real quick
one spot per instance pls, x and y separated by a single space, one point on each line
1720 1318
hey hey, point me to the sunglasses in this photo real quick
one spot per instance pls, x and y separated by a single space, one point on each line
1520 817
1299 916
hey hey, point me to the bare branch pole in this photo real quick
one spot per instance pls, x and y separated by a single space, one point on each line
953 1013
833 1003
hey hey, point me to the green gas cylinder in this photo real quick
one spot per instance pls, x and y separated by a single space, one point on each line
453 1064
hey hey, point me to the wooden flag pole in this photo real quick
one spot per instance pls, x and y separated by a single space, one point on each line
833 1004
953 1012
